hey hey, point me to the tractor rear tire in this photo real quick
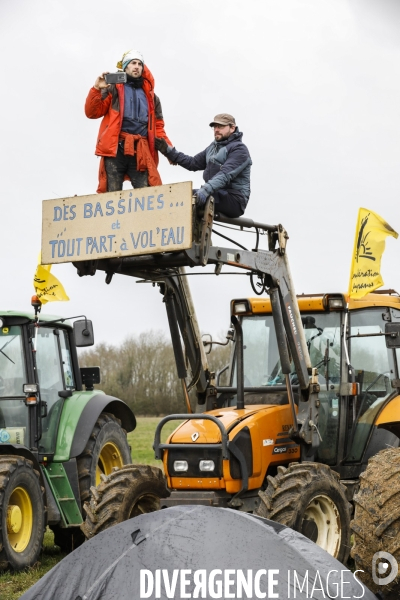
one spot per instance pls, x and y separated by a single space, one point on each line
106 449
376 523
22 513
126 493
309 498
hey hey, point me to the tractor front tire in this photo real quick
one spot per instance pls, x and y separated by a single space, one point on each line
126 493
376 523
106 449
22 513
309 498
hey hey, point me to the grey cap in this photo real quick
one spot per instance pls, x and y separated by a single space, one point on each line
223 119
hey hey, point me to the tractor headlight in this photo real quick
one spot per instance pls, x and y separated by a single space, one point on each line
241 306
180 465
31 388
335 303
206 465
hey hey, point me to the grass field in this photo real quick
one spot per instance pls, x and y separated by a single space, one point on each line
141 440
13 585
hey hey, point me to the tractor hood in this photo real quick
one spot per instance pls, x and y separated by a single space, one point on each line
208 432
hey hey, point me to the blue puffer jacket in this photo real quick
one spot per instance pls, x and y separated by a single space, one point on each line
226 165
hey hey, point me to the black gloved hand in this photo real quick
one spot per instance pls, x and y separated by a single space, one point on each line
201 196
162 146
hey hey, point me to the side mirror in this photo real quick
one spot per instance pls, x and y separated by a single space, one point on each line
83 333
392 335
207 342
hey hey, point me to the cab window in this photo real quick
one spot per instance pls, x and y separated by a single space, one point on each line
66 361
12 362
373 365
54 371
322 333
13 411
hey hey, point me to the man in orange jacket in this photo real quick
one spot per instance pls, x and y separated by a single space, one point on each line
132 118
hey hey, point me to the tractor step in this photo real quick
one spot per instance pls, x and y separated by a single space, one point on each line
60 486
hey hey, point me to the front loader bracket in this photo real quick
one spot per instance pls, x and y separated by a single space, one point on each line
308 435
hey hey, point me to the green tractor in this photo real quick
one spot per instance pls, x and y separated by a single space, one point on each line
56 438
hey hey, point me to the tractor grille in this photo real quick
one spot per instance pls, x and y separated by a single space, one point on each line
193 456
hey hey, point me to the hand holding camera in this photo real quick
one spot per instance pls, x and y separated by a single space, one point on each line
100 82
105 79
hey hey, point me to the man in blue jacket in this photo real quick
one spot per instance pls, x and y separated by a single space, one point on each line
226 163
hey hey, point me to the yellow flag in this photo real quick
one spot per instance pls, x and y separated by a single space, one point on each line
47 287
369 244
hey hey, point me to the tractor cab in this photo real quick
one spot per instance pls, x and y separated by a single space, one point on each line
357 371
38 371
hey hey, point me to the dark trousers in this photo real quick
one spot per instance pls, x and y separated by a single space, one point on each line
121 165
229 202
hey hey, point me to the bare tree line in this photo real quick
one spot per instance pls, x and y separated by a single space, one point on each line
142 372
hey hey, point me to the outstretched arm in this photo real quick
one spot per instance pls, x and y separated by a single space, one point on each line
191 163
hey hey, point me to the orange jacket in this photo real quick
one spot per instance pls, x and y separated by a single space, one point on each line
109 104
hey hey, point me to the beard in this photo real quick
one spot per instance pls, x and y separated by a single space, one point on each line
222 138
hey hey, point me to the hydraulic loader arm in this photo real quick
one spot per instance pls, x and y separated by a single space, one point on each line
183 325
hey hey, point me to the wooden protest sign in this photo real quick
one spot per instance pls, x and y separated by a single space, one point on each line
126 223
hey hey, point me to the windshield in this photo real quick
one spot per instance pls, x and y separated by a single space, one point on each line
13 412
262 366
262 369
12 363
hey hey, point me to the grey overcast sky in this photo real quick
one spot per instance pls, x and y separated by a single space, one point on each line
313 84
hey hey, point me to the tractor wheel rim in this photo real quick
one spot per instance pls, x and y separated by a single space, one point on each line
321 524
19 519
110 457
144 504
